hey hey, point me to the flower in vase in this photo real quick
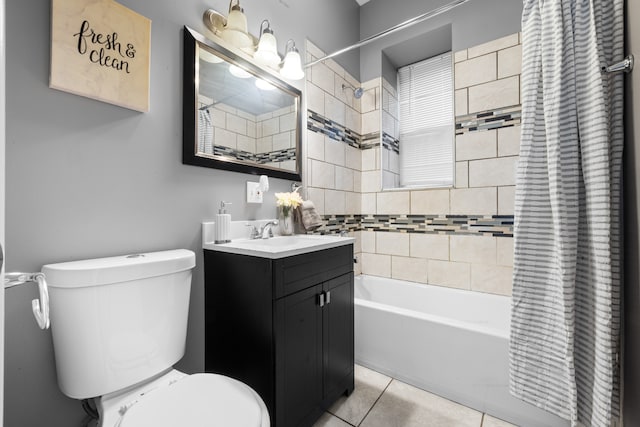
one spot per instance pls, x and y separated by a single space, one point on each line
288 201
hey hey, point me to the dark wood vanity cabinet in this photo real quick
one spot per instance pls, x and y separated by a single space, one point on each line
284 327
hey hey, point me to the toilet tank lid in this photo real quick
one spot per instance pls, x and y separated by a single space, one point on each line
104 271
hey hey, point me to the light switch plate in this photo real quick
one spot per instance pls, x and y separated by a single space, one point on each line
254 195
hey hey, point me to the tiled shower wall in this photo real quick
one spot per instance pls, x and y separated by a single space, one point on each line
459 237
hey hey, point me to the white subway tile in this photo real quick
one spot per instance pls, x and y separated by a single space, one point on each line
371 182
315 98
480 144
229 138
323 77
334 109
335 202
494 45
509 141
287 122
353 158
368 203
411 269
344 179
462 107
430 202
236 124
462 174
496 94
475 71
370 159
315 145
353 204
376 265
357 181
245 143
461 55
392 243
493 172
492 279
353 120
371 122
506 200
337 68
510 61
368 241
281 141
314 50
322 175
316 195
357 245
431 246
473 249
474 201
505 251
334 152
450 274
393 202
270 126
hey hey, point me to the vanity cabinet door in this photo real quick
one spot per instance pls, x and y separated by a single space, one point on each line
338 337
298 326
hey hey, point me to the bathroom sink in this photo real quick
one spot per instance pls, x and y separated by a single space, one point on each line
280 246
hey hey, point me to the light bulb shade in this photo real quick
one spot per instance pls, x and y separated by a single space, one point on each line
267 51
264 85
292 66
236 31
238 72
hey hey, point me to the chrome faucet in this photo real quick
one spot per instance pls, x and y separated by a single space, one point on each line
265 231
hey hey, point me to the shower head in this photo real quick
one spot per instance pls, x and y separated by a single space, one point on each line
357 91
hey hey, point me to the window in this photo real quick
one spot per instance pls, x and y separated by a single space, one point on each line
426 123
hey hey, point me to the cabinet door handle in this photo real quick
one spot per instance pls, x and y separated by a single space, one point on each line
328 297
321 299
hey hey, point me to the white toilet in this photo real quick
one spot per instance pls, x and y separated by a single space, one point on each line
119 324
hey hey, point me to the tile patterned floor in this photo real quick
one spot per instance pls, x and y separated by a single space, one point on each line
380 401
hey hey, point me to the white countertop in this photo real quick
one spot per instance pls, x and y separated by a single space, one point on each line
280 246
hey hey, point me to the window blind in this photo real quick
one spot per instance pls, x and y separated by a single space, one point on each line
426 123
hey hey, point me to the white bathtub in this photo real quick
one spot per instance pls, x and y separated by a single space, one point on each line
451 342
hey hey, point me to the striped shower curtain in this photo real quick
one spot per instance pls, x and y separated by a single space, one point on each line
565 320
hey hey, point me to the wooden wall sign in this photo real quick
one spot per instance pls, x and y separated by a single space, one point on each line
101 49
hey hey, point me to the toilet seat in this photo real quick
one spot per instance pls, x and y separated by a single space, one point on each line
199 400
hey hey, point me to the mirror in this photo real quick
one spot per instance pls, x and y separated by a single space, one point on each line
236 115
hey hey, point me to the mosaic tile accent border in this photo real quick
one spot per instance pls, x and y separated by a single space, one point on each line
333 130
475 225
262 158
390 143
336 131
503 117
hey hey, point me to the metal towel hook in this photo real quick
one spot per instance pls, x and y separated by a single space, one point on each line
40 306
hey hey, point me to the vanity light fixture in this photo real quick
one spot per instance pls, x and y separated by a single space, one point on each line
264 85
209 57
292 65
238 72
267 50
235 30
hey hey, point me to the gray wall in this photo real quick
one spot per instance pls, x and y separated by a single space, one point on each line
88 179
472 23
631 378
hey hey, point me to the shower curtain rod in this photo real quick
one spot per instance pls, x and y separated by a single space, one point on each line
401 26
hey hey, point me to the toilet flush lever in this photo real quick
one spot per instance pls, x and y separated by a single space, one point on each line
40 306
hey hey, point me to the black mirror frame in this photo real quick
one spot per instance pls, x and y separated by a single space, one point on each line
189 112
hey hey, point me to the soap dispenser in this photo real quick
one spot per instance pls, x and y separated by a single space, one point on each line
223 224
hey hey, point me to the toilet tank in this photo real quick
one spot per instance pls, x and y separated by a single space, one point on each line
118 321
